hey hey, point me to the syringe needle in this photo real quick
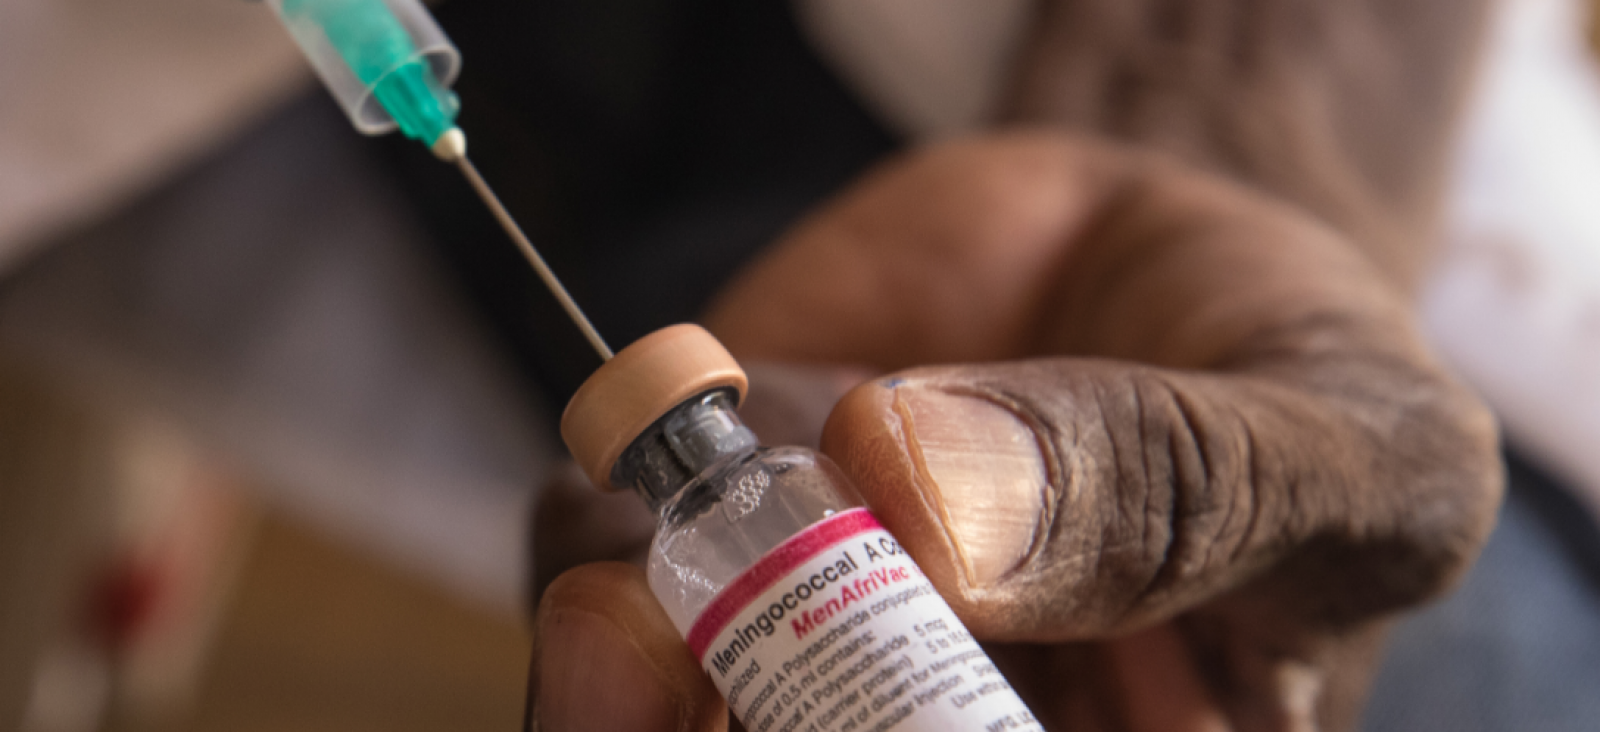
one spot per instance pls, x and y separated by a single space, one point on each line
550 281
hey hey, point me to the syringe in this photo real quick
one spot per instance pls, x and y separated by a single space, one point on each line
390 66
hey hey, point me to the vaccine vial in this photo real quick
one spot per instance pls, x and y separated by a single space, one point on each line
806 614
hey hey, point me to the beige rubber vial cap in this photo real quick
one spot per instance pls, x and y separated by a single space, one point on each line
639 385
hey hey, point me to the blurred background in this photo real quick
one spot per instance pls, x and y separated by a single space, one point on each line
268 457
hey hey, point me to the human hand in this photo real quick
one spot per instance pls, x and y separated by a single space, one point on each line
1185 457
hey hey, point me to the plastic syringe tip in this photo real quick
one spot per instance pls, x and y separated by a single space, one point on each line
385 61
423 108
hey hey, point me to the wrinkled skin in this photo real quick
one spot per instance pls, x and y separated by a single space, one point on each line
1186 457
1160 429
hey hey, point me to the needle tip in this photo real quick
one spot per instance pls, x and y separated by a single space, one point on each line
528 250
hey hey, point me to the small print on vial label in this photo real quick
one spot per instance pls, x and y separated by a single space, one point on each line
837 630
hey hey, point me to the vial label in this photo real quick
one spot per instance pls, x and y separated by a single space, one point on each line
837 630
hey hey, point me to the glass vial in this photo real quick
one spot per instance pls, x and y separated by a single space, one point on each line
803 610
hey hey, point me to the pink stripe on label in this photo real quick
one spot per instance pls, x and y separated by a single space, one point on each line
766 572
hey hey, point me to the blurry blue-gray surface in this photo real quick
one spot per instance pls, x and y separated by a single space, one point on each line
274 302
1517 647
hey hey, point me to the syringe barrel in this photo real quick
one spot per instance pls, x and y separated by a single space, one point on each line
386 61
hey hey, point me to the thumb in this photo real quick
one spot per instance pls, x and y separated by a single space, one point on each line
1060 499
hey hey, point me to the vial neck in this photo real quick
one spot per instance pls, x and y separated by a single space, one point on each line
682 444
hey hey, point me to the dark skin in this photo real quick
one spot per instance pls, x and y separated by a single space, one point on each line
1170 443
